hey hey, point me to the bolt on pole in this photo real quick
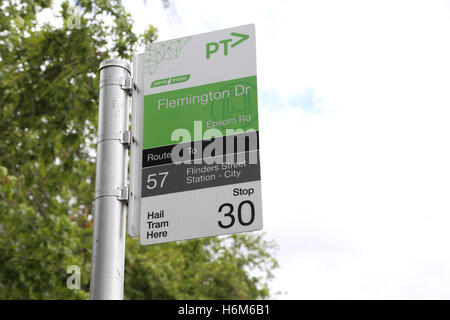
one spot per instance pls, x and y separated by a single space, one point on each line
111 193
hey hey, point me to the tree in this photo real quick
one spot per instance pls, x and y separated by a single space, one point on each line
48 106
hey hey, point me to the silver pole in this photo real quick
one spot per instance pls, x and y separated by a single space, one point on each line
108 243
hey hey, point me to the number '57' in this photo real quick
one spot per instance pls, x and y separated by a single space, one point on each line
152 180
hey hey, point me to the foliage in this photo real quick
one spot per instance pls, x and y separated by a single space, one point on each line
48 118
209 268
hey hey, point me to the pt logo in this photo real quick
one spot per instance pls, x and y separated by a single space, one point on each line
213 47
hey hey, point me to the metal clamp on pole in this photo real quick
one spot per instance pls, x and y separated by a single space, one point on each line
120 192
128 86
123 194
126 139
111 192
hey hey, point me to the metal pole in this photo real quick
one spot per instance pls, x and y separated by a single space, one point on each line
108 243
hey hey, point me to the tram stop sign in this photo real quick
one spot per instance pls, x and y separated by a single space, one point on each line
195 168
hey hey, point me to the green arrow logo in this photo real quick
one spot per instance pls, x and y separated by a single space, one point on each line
240 35
213 47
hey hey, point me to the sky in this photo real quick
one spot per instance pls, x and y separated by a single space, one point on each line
354 100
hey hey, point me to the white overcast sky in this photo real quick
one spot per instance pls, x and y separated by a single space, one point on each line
354 101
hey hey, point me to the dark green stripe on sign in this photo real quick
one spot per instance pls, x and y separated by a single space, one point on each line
167 81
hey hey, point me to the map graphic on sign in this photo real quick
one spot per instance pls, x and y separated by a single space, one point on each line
159 51
195 168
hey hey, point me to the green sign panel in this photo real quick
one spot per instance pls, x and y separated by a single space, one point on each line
222 105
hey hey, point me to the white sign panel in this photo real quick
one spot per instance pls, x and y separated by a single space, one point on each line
195 168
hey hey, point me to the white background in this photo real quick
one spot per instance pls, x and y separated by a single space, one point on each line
194 213
238 63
